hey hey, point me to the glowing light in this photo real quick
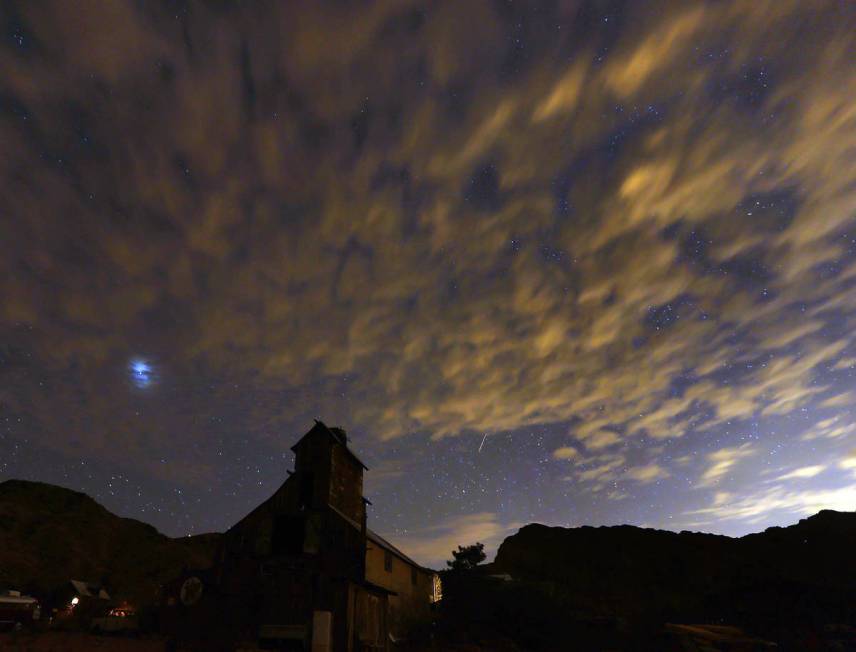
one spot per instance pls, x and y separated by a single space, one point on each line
436 589
74 600
142 374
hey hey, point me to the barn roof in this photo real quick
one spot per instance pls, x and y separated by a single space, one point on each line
371 535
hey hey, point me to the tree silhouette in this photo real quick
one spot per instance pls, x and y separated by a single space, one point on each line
467 557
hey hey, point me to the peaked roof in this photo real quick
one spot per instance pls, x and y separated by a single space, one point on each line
336 434
89 589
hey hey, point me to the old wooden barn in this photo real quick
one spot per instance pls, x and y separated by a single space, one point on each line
292 573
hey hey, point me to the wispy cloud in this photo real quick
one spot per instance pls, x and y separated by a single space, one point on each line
803 472
849 462
720 462
387 218
647 473
432 545
310 299
776 501
565 453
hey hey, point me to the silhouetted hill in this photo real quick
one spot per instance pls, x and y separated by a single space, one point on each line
572 588
786 583
817 550
50 534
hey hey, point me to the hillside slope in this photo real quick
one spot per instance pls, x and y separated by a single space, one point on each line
49 534
782 582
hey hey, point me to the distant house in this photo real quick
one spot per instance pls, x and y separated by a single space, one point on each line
81 600
89 590
415 587
293 572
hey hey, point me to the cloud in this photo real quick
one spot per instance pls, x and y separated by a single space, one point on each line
602 439
565 453
841 400
849 461
647 473
387 218
564 95
604 470
803 472
720 462
831 428
432 545
629 72
778 502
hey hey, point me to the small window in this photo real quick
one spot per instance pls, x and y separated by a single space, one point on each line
387 561
307 482
414 578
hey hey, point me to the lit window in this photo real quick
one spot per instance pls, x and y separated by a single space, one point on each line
437 593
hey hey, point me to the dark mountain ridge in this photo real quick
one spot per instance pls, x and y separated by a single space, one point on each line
50 534
817 549
787 584
570 585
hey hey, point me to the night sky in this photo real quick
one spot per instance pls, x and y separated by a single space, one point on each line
567 262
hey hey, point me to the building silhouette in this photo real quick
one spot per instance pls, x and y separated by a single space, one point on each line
293 572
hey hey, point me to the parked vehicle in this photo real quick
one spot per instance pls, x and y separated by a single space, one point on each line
121 619
18 611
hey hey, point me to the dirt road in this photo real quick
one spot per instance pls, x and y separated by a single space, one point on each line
75 642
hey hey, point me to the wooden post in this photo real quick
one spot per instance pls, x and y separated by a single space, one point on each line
322 631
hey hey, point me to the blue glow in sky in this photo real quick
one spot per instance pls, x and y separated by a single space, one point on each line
141 373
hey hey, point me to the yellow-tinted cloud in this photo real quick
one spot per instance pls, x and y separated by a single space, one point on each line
849 462
433 545
648 473
565 453
755 507
803 472
721 461
373 198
